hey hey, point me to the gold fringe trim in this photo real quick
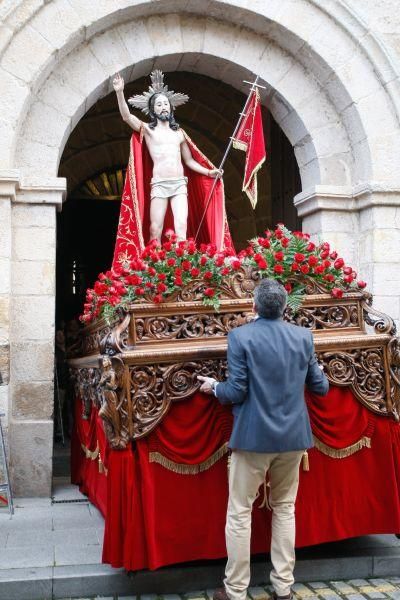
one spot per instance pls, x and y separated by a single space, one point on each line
184 469
92 454
364 442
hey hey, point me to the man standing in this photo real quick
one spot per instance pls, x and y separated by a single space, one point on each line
269 362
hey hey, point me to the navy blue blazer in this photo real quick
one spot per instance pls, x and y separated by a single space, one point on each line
269 363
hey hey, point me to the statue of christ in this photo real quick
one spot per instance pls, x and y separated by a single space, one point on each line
168 149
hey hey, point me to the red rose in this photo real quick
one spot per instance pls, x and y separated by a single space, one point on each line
225 271
325 246
167 246
319 269
305 269
179 251
262 264
203 260
348 278
178 281
154 256
279 255
347 270
326 264
288 287
278 269
333 255
361 284
208 275
210 292
295 267
171 262
338 264
195 272
264 242
285 242
329 277
100 288
162 277
151 271
149 285
139 291
312 261
219 261
186 265
178 272
310 247
324 254
337 292
236 264
161 254
299 257
211 249
278 233
161 287
157 298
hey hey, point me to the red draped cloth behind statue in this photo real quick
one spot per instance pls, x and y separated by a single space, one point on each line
156 515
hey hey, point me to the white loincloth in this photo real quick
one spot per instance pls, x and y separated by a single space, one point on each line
167 188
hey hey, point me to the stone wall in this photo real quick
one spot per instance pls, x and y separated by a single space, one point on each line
331 71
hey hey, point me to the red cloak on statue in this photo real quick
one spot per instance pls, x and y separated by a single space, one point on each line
134 219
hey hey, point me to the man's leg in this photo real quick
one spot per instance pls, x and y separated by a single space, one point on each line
284 481
158 208
246 474
179 205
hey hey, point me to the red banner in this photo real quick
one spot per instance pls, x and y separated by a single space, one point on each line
250 138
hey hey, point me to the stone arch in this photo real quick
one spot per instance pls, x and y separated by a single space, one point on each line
272 38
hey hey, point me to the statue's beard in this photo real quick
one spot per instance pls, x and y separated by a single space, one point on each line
163 116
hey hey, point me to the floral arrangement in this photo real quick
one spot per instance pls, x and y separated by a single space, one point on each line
163 270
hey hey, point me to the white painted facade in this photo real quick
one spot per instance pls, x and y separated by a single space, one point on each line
331 68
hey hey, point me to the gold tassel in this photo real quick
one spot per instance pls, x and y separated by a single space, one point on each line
89 453
364 442
184 469
306 462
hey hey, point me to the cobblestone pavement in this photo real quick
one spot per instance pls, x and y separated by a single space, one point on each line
353 589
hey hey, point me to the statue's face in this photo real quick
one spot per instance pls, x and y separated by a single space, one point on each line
162 108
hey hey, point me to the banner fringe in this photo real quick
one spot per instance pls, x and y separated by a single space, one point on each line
364 442
184 469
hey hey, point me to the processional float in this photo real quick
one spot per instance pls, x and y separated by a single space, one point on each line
151 451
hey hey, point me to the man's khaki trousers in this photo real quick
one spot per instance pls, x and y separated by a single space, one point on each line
247 472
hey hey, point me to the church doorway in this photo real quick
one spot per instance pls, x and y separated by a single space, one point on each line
94 162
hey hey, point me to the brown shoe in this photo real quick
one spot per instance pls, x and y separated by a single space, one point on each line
220 594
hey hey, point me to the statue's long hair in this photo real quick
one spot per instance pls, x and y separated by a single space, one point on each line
153 122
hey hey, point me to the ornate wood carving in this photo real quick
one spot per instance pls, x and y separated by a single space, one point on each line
363 370
150 357
115 410
188 326
154 387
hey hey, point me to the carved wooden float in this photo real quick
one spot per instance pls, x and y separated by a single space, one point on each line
149 357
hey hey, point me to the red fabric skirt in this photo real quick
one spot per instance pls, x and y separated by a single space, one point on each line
156 516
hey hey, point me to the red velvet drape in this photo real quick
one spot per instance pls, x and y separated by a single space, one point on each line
157 517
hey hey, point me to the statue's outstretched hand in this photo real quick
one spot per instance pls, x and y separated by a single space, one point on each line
215 173
118 83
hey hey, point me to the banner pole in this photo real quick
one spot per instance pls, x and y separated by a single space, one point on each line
241 114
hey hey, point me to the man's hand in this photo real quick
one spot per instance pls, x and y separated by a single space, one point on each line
118 83
215 173
207 385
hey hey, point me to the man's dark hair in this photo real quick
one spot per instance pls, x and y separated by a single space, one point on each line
270 299
153 123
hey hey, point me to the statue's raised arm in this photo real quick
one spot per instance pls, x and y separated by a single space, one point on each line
134 122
